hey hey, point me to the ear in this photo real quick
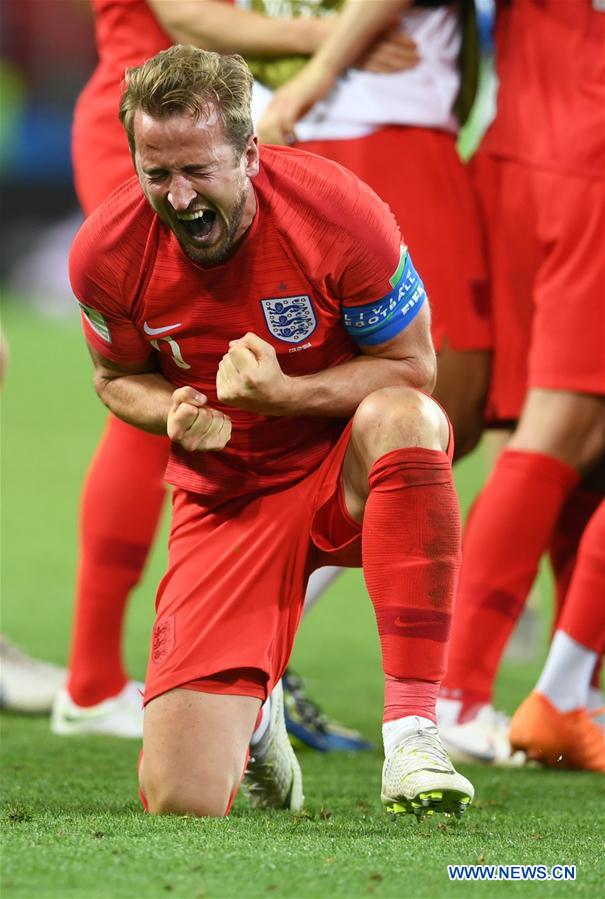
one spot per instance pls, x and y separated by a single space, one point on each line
252 157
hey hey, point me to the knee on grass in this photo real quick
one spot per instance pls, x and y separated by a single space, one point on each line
201 796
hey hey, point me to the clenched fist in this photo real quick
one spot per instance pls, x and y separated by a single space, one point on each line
249 377
194 425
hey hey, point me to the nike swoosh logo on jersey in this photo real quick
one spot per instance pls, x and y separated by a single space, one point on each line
154 331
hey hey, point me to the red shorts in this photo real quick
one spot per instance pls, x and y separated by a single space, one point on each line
418 172
546 252
233 593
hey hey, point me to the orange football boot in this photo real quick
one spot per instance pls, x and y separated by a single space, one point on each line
557 739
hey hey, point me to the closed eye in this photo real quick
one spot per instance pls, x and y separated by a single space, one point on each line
155 175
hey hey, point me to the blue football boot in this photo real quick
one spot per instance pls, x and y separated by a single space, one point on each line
307 725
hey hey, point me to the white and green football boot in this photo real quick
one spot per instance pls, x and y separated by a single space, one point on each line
117 716
273 778
419 778
27 685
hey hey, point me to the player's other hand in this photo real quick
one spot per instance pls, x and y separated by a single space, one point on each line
194 425
249 377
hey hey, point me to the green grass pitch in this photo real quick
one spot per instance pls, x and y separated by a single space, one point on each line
71 822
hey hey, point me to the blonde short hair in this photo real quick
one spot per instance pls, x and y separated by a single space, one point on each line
185 80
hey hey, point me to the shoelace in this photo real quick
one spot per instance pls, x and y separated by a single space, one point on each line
426 744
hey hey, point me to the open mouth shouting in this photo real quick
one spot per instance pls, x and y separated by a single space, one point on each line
208 235
200 225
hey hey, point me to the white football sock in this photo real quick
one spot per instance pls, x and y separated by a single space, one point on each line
319 581
263 728
566 675
393 732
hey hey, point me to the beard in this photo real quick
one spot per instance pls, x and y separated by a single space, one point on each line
220 252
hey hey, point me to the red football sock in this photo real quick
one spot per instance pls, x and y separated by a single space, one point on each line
121 504
408 696
411 559
510 529
575 515
583 615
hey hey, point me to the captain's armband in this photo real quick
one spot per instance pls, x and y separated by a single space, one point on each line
381 321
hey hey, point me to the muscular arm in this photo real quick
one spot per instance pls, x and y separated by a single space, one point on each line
222 27
250 377
144 398
406 361
137 394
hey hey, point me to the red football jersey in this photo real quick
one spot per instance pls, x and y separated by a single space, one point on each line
321 242
550 61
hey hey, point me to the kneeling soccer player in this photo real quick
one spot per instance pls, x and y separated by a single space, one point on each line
259 308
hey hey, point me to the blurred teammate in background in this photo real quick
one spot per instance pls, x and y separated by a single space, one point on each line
124 490
541 171
338 440
554 724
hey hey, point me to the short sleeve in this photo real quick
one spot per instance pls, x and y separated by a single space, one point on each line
379 288
382 319
99 283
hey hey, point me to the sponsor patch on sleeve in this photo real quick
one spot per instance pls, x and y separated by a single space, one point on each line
97 322
380 321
